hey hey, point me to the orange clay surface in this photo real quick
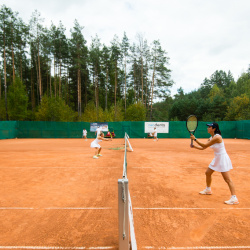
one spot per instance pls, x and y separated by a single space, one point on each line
54 195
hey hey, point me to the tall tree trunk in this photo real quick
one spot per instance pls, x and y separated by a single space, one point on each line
67 86
5 80
60 80
146 85
12 52
79 90
86 96
55 75
115 86
125 94
142 79
47 87
39 73
50 87
21 64
152 90
96 94
33 102
134 82
13 63
106 89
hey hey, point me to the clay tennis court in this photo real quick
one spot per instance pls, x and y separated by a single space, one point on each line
54 195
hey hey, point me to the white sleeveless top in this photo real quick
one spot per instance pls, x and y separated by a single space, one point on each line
221 161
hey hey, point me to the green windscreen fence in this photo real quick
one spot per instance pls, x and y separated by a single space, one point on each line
8 129
177 129
28 129
243 130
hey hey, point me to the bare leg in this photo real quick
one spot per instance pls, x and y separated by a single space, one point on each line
99 150
96 151
209 173
229 182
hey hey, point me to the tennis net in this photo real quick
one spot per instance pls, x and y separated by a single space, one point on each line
125 212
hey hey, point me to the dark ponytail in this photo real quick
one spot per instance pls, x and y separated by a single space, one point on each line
217 130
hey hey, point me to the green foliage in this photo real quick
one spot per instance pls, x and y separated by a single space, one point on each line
17 101
116 115
92 114
239 109
217 108
243 84
215 91
55 109
136 112
182 108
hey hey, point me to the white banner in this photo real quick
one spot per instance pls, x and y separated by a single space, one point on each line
162 127
103 125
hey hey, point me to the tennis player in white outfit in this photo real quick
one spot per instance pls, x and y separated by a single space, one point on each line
95 144
221 162
155 134
84 134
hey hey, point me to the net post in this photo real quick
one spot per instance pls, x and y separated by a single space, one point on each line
123 214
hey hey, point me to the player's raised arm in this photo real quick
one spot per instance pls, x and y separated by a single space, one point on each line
202 146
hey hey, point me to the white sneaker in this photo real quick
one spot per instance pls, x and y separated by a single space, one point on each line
99 155
205 191
95 157
232 201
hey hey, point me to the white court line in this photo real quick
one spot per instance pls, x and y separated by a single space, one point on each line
47 247
56 208
185 208
192 248
135 208
52 167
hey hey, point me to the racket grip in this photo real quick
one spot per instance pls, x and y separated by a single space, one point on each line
191 142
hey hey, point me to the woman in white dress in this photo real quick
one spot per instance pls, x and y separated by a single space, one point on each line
84 134
221 162
95 144
155 134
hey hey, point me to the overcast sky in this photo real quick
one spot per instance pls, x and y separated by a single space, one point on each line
200 36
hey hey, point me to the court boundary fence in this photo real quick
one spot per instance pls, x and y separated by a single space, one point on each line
177 129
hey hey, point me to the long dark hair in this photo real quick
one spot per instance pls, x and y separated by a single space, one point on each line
217 130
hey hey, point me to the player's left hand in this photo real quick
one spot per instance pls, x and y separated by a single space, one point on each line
192 136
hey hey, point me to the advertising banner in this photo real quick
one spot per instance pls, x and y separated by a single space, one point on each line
162 127
103 125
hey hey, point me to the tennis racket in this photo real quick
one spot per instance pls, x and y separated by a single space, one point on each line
192 124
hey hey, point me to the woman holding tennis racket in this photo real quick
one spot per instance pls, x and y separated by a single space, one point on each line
95 144
220 163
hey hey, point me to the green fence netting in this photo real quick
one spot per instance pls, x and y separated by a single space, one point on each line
243 130
28 129
177 129
8 129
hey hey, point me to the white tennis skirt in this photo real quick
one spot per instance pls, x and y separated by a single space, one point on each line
94 144
221 163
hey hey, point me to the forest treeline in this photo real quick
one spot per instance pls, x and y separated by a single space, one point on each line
47 76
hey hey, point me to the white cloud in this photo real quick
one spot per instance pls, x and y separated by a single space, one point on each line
199 36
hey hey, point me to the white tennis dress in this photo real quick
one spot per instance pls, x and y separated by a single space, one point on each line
221 161
94 144
155 133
